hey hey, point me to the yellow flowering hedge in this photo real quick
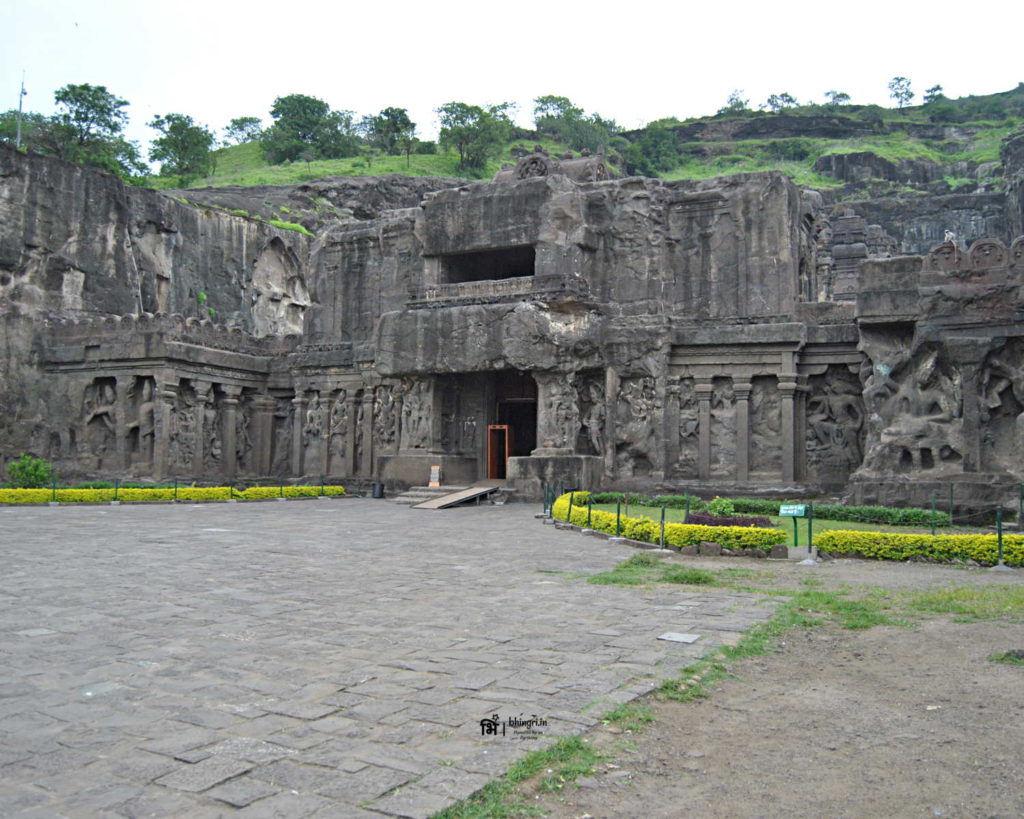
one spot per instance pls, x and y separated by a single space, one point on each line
676 534
889 546
185 493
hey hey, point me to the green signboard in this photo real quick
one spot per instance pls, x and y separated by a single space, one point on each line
793 510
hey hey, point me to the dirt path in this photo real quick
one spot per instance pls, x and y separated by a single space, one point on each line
891 721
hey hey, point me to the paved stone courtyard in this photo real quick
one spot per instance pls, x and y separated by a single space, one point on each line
311 658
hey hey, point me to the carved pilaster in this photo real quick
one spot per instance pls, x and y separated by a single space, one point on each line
163 411
742 392
204 398
263 408
671 436
557 414
703 389
298 419
229 418
787 396
366 461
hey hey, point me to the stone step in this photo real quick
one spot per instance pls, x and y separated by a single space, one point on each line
418 494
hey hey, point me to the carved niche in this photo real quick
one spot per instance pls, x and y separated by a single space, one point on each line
835 425
591 401
723 429
181 438
337 434
99 422
637 408
141 429
689 426
1002 386
281 449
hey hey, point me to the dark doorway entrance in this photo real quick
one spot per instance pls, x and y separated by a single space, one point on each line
516 410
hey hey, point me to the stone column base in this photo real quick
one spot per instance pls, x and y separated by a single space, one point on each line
527 475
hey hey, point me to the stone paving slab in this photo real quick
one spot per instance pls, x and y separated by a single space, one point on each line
300 659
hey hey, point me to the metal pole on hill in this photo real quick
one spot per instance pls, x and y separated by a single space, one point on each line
933 514
810 529
1000 566
618 517
951 504
662 543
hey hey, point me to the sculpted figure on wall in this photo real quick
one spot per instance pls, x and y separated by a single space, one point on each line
182 434
338 430
916 405
592 400
385 422
765 426
689 425
141 429
99 417
637 409
213 450
835 425
416 416
243 440
723 428
1002 385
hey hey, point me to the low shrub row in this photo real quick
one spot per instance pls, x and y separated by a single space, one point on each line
707 519
184 493
943 548
764 506
676 534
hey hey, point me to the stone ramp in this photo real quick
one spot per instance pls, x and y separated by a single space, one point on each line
418 494
455 498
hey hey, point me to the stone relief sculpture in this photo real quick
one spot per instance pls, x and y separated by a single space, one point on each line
243 440
917 408
723 428
637 407
141 429
99 418
182 437
765 426
835 425
689 426
213 449
592 399
1002 411
385 422
338 430
415 416
358 443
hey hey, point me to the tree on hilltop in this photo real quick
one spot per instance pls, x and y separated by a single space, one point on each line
899 90
391 130
476 132
302 122
243 129
558 118
184 150
836 98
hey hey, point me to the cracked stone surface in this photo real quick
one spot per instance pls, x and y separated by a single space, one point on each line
327 659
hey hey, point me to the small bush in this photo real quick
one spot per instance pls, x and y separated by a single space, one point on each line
29 472
678 501
705 519
608 497
689 577
721 507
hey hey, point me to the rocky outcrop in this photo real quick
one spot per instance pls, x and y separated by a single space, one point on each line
1011 155
320 202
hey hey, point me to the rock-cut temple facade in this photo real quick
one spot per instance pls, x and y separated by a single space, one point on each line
553 325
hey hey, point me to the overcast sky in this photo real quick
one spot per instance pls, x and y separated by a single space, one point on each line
630 61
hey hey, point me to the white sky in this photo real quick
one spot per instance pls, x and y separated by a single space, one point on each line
629 61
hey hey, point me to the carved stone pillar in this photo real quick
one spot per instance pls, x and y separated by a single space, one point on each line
204 398
611 417
800 423
298 419
229 430
163 411
366 463
262 426
671 427
352 458
741 390
703 390
122 452
967 355
787 394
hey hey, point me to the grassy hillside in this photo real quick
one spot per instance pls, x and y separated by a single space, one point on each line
957 135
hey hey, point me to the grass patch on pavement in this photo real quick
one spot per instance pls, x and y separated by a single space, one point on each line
629 716
1015 657
552 768
969 603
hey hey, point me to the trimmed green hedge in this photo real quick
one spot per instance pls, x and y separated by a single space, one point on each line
835 511
184 493
676 534
944 548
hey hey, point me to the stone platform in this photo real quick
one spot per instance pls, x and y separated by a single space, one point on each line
320 657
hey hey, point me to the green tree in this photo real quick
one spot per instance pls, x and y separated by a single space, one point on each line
184 149
899 90
390 130
734 104
934 94
243 129
477 133
836 98
88 128
302 122
565 122
779 102
655 151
